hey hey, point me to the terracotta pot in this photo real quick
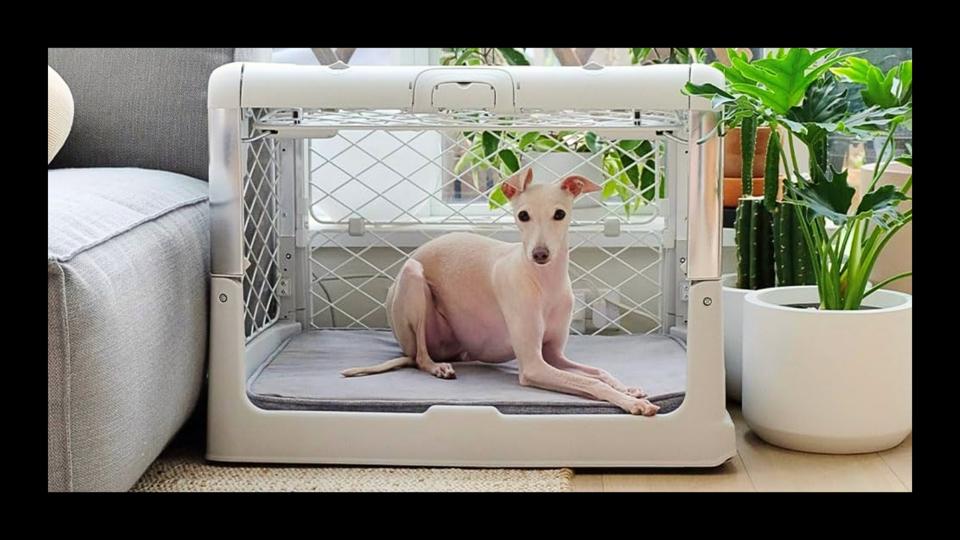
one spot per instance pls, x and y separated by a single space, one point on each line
733 190
732 164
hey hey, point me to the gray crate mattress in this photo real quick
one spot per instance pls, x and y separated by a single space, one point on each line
305 375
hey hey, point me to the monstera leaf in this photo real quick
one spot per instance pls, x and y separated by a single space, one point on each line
882 204
894 89
780 81
868 122
865 124
825 101
730 73
827 194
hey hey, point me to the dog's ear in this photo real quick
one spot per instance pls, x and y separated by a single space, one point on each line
516 184
577 185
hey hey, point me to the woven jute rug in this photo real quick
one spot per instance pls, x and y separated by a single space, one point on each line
184 469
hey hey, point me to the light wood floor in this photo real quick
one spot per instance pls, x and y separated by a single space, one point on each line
762 467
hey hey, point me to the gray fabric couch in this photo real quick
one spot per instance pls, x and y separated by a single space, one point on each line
127 260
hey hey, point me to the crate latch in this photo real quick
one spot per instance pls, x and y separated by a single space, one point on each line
356 226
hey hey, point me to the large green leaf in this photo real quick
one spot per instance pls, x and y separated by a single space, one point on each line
780 81
865 124
871 121
514 57
826 194
825 101
882 204
731 74
892 89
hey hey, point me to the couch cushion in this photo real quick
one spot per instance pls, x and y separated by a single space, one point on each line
141 107
89 206
127 284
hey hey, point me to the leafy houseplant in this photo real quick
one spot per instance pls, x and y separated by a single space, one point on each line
794 89
629 165
765 92
842 273
770 245
848 327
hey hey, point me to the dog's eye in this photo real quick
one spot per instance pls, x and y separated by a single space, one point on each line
523 216
559 214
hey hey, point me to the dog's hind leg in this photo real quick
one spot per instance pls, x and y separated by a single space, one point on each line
410 304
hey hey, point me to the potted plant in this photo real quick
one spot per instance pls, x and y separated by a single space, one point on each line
827 368
769 246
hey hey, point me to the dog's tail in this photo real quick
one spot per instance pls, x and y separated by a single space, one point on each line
379 368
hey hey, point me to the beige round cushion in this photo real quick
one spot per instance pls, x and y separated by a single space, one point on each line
59 113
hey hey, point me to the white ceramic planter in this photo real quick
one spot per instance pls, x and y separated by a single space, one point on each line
732 333
836 382
551 166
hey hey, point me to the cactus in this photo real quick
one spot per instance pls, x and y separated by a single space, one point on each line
771 172
748 143
755 247
792 256
770 247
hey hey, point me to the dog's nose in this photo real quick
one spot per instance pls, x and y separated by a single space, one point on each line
541 255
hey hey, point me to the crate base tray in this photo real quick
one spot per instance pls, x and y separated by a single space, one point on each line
305 375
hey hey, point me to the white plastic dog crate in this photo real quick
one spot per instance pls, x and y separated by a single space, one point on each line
324 179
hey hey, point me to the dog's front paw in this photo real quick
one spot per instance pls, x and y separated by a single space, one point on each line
443 371
635 392
644 407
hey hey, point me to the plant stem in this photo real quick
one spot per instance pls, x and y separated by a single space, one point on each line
880 285
793 154
881 165
907 185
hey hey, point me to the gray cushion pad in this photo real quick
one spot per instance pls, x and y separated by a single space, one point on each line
305 375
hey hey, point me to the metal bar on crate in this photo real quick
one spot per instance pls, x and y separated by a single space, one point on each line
264 133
